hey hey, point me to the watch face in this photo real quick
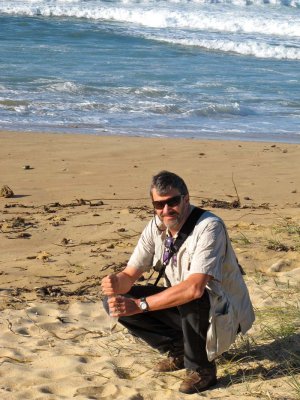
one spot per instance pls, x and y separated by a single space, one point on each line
143 306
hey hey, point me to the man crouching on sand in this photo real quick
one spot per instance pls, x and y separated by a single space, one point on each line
204 304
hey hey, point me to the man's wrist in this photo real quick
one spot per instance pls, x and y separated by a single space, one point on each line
142 304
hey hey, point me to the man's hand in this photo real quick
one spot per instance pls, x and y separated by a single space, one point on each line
110 285
120 283
120 306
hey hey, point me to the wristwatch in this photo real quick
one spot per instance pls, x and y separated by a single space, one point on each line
143 304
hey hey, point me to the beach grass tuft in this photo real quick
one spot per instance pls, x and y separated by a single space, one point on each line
287 237
291 228
270 351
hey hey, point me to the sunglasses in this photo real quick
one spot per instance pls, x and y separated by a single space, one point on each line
171 202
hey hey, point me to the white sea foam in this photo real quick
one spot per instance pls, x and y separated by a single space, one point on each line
92 4
247 48
68 87
223 109
218 17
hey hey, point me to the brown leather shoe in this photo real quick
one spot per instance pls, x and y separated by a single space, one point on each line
196 382
170 364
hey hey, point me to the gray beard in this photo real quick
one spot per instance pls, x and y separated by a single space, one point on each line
173 224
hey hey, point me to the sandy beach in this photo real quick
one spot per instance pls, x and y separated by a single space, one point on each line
79 204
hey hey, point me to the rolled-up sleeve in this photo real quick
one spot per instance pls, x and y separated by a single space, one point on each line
142 256
210 251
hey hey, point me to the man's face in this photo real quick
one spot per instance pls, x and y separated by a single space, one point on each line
172 216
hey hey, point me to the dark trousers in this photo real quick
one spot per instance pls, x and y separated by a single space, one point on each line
178 330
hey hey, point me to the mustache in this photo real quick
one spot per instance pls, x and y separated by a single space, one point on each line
169 214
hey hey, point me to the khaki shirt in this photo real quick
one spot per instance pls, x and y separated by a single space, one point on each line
207 250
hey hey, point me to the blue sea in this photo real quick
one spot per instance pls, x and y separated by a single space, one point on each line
214 69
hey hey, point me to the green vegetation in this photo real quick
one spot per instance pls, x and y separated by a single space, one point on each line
271 350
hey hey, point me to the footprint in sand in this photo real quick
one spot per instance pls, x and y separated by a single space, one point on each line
98 392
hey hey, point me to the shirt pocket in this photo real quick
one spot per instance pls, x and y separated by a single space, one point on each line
184 263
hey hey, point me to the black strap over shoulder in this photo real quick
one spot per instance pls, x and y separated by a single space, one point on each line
188 227
184 232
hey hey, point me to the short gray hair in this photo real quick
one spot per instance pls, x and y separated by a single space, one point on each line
165 181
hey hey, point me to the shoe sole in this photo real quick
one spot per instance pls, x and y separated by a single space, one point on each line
196 390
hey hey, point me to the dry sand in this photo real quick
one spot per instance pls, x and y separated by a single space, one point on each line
77 211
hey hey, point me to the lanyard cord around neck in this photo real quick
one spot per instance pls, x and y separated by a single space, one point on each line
184 232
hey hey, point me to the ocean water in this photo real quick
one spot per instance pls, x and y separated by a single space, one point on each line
227 69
